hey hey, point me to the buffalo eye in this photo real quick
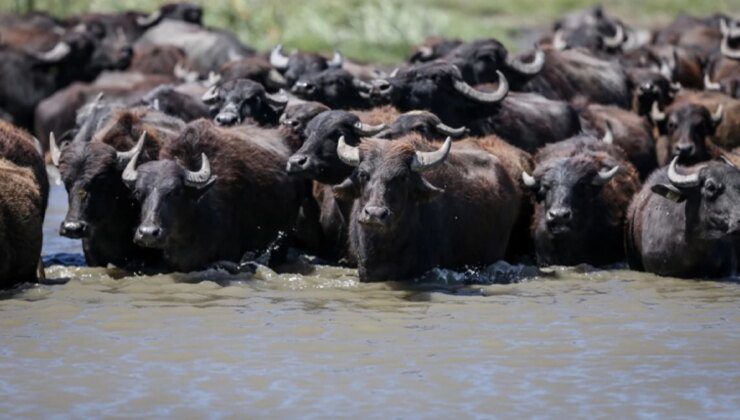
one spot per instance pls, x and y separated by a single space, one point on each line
363 176
711 188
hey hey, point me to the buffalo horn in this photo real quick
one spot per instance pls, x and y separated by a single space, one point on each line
681 180
348 154
485 97
425 161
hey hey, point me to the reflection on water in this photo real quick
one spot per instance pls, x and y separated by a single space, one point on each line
558 343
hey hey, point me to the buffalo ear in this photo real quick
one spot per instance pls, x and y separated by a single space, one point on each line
347 190
669 191
426 192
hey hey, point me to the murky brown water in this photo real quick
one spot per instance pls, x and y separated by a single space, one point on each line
565 343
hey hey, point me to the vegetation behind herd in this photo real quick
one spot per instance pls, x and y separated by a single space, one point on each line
384 30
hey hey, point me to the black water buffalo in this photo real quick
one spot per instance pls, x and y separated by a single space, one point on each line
526 120
102 212
687 224
317 158
184 11
235 101
416 208
575 73
582 188
255 68
687 131
432 49
24 192
167 99
478 61
238 199
335 88
79 55
299 64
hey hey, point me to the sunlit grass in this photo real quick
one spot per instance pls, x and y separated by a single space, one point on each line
384 30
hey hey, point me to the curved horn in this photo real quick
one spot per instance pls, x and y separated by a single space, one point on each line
149 20
709 84
276 100
129 173
336 60
485 97
366 130
528 68
450 131
61 50
724 28
277 58
54 149
201 178
395 71
425 161
348 154
605 175
211 95
608 134
99 97
617 40
123 158
728 51
718 114
276 78
558 40
426 51
528 180
655 114
681 180
39 148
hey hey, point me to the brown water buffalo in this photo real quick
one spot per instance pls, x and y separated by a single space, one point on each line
687 132
24 192
102 212
625 129
294 120
416 208
526 120
582 188
686 223
215 194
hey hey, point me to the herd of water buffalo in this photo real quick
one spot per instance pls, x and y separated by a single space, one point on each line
182 149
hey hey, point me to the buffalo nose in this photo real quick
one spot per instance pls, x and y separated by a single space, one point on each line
150 231
73 229
225 119
298 163
685 149
558 214
376 213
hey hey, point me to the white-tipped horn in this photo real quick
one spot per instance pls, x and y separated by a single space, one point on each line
54 149
124 157
277 58
211 95
336 60
149 20
605 175
617 40
201 178
709 84
61 50
681 180
425 161
528 180
528 68
558 40
655 113
367 130
484 97
348 154
718 114
608 134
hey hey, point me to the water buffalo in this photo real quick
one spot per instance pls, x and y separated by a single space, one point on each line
686 224
335 88
729 85
582 188
526 120
79 55
235 101
299 64
416 208
424 123
575 73
24 192
102 212
167 99
184 11
255 68
294 120
237 200
687 131
629 131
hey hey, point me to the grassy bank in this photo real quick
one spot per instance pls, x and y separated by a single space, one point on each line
383 30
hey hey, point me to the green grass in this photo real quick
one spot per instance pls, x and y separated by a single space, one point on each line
384 30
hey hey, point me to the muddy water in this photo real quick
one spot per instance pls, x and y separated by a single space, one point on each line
556 343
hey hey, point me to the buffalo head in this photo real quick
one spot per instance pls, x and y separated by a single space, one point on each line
688 128
236 100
